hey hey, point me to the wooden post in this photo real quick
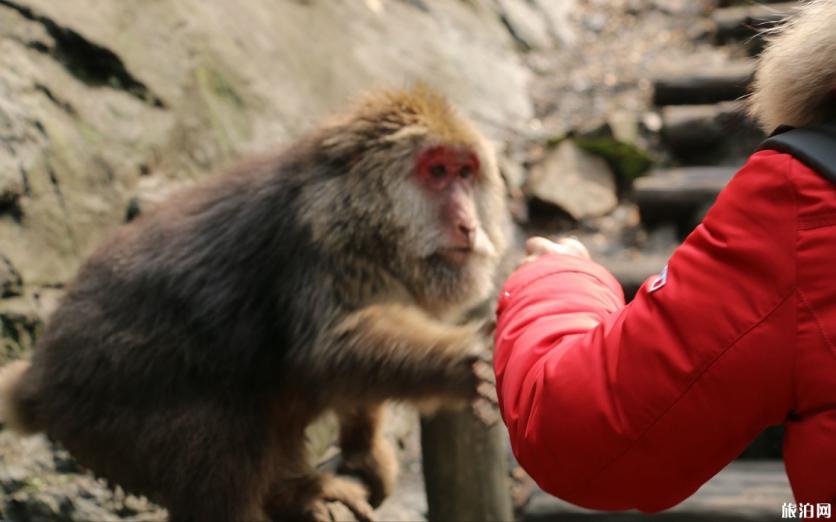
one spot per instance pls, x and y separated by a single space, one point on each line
465 468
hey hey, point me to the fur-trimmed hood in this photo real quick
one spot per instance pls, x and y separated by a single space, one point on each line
796 75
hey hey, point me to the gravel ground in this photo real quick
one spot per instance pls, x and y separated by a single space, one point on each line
619 46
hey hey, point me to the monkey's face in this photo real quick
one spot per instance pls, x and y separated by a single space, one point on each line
418 193
447 177
451 203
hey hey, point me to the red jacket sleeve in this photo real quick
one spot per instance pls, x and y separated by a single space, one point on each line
615 407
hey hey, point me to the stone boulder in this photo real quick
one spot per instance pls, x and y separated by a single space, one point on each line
574 181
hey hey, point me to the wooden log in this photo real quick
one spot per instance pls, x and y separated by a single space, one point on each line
465 470
710 85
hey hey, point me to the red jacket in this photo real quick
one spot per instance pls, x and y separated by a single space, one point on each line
614 407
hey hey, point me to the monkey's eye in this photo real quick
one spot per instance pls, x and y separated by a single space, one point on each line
438 172
466 172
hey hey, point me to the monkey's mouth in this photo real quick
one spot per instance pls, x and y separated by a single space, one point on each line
456 255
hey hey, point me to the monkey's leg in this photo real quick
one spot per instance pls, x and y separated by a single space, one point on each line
398 352
366 453
206 459
299 493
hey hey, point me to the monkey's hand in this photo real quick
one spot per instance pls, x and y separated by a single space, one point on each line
469 374
485 405
484 402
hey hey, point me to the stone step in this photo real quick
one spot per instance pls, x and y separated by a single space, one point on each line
632 270
676 195
713 84
744 491
731 3
700 134
744 22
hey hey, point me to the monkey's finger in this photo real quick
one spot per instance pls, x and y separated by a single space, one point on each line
484 371
335 512
350 493
322 512
486 356
344 510
487 391
485 412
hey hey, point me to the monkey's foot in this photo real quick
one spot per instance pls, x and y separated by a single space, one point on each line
322 511
377 469
346 492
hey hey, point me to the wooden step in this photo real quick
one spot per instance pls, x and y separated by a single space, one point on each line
709 133
676 195
743 491
633 270
732 3
709 85
743 22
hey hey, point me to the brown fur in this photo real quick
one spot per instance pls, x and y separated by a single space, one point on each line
796 74
366 453
196 345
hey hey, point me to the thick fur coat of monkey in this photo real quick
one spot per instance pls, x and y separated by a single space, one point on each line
195 345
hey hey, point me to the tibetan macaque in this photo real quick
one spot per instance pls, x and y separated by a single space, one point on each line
195 345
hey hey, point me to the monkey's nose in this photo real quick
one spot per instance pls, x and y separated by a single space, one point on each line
467 233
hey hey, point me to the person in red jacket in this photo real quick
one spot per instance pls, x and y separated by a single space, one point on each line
615 407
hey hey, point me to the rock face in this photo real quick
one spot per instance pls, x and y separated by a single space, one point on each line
95 96
10 281
575 181
59 492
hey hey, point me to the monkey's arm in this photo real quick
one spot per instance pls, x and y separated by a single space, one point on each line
392 351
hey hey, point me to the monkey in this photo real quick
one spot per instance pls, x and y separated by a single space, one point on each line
196 344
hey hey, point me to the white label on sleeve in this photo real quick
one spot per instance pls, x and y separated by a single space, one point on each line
659 282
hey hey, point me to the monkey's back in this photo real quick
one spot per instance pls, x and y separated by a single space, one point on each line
186 318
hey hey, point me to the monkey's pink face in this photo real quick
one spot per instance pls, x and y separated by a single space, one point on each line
448 175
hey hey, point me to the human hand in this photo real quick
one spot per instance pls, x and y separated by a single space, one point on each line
539 246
